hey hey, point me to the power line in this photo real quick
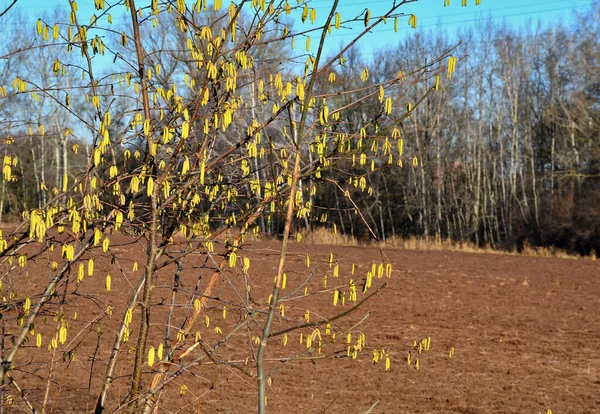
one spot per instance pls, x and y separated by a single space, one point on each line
465 11
479 19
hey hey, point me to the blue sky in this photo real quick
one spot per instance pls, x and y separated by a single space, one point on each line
431 14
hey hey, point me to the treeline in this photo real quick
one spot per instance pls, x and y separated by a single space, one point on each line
506 151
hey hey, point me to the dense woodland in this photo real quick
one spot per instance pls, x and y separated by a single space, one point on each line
505 152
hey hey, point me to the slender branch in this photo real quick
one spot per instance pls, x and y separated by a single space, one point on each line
21 394
152 249
45 297
333 318
8 8
266 330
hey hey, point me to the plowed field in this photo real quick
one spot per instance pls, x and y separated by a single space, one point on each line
525 335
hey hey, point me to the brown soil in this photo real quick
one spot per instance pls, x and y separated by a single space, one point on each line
525 333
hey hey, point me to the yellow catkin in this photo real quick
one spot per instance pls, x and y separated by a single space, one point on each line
159 351
62 334
151 354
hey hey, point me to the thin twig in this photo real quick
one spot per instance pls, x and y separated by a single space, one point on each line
370 410
333 318
21 393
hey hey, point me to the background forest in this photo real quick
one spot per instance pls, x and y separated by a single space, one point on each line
507 152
